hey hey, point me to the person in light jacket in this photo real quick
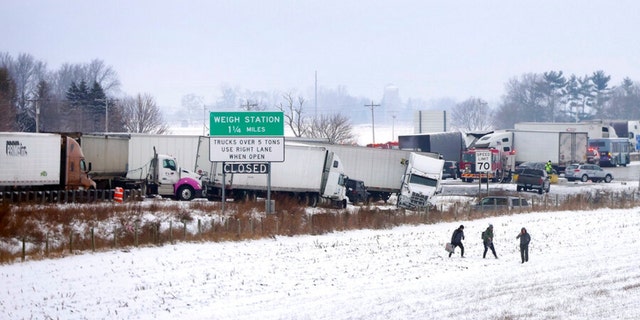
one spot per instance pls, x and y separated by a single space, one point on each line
525 238
456 240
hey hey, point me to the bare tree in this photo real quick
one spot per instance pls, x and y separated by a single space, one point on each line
64 77
625 100
97 72
7 94
192 107
94 72
293 111
472 114
522 102
336 128
142 115
26 73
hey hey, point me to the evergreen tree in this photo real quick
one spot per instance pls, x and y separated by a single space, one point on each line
601 93
97 101
553 86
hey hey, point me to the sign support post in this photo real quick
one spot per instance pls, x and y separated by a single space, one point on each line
483 165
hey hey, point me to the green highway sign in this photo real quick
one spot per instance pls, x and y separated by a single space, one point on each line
246 124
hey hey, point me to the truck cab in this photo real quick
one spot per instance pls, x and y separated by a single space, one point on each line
502 163
334 181
167 179
420 182
75 168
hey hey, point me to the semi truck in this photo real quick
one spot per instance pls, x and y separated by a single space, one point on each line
309 173
382 170
42 161
132 161
561 148
629 129
421 180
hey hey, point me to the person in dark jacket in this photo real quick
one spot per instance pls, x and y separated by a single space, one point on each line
456 240
525 238
487 240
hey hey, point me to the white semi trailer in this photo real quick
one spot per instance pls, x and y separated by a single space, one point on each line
312 174
130 161
594 129
561 148
42 161
382 170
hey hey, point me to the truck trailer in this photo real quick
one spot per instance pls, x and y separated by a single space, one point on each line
594 129
382 170
131 161
42 161
449 145
308 173
561 148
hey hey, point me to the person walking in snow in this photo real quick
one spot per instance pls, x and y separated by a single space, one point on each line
525 238
456 240
487 240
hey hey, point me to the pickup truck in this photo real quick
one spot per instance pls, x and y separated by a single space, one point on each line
530 178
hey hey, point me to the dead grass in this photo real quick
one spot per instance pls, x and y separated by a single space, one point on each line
38 231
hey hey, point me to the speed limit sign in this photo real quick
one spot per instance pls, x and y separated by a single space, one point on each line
483 161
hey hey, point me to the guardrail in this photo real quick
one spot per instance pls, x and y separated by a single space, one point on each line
66 196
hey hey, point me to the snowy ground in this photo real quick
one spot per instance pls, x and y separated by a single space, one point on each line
583 265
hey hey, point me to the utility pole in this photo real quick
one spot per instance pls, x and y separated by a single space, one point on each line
204 120
106 112
247 106
373 130
393 125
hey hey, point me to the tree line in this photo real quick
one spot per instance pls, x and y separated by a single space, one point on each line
87 98
73 98
552 97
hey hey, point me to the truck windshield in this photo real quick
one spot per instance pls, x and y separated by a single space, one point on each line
416 179
469 157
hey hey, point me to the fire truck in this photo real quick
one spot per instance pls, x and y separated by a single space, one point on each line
502 165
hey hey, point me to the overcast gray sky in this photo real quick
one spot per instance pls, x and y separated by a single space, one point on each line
429 49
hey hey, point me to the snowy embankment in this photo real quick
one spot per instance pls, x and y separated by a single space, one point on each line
583 265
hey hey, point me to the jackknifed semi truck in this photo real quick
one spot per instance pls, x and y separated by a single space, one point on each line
384 171
155 164
561 148
311 174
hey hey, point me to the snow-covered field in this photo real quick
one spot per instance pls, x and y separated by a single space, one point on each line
583 265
